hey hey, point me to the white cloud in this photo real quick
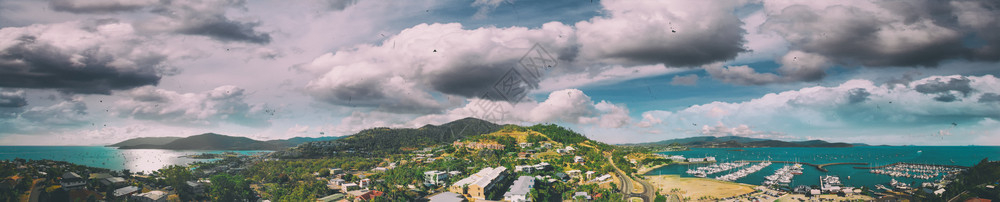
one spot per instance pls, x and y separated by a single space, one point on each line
208 108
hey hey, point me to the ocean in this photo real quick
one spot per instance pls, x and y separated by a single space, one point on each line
850 176
135 160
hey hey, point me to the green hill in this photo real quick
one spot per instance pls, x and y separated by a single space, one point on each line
737 141
145 141
380 141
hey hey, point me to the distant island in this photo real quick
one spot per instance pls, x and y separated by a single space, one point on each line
737 142
213 141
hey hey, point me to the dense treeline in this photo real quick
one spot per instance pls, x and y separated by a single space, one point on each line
384 141
972 183
558 133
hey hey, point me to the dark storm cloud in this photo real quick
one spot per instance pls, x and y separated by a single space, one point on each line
205 18
12 98
989 97
36 64
97 6
937 86
946 98
472 80
227 30
854 36
723 43
336 5
857 95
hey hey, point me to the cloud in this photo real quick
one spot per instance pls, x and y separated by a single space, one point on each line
208 108
337 5
687 80
486 7
99 6
12 98
989 97
675 33
50 56
742 130
742 75
204 18
936 86
428 60
857 95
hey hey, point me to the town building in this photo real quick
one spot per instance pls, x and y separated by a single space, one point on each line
72 181
435 177
520 189
348 187
153 196
479 183
124 191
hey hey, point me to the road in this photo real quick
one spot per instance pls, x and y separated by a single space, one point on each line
627 184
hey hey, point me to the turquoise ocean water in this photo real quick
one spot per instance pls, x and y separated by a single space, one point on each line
108 157
874 156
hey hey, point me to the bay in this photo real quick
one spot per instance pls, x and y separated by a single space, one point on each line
136 160
873 155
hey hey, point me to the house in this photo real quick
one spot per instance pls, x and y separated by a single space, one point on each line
197 187
573 173
337 181
590 174
368 195
129 190
435 177
379 169
72 181
542 166
479 183
364 183
348 187
524 168
520 189
581 195
454 173
562 176
113 181
578 159
336 171
446 197
524 144
602 178
523 155
547 145
331 198
153 196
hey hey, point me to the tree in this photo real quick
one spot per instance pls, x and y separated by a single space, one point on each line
177 177
230 188
324 172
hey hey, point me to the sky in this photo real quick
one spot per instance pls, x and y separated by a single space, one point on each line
94 72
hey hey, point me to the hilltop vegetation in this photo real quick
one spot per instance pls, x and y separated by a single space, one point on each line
386 141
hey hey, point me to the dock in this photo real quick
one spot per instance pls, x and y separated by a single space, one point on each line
818 166
923 164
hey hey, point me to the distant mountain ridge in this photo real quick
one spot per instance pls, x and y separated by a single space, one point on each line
213 141
384 140
739 142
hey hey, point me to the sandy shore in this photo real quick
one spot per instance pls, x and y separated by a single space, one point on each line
696 188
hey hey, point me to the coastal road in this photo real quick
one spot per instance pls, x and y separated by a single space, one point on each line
648 191
627 183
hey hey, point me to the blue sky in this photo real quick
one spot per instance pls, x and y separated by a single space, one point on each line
91 72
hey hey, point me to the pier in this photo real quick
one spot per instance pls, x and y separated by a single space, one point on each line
923 164
818 166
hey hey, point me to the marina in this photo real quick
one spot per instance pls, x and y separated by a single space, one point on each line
854 166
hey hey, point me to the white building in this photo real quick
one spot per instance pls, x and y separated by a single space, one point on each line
125 191
578 159
344 188
435 177
520 189
72 181
153 196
